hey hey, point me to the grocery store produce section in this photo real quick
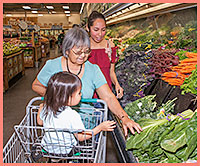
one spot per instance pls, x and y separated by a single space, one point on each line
157 69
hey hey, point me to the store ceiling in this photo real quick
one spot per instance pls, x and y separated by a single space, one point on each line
14 8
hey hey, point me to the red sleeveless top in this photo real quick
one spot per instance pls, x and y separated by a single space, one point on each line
101 58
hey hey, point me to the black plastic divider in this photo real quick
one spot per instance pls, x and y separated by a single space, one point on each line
120 143
165 92
148 90
183 102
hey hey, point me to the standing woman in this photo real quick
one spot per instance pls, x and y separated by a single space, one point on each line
103 52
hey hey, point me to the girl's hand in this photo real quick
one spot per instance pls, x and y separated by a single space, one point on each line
108 125
119 91
128 123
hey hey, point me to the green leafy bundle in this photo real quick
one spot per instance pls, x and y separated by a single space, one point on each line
145 107
190 84
164 141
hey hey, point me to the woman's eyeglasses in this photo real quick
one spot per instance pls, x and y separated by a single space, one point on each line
78 53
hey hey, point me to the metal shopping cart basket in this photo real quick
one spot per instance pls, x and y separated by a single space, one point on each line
28 144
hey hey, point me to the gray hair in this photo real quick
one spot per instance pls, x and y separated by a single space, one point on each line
75 37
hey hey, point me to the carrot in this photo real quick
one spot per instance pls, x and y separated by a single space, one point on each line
122 49
191 54
189 60
188 64
169 74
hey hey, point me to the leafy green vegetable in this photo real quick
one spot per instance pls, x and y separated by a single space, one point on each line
164 141
190 84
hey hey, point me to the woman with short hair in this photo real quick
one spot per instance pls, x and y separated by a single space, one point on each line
76 49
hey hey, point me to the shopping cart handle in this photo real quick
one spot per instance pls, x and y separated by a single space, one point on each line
89 100
83 100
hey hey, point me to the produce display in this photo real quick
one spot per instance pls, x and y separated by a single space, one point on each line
9 48
164 37
162 61
146 107
147 51
180 72
26 42
190 84
166 138
133 74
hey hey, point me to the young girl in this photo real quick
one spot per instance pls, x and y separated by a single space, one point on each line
103 52
63 91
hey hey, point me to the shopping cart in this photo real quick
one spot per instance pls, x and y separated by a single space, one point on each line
27 145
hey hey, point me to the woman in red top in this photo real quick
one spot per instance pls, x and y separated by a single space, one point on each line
103 52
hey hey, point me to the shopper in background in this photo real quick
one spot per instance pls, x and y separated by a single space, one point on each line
76 49
60 39
103 52
64 91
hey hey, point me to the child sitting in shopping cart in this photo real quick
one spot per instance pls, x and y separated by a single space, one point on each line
64 91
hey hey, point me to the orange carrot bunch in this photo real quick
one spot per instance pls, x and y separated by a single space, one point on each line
182 70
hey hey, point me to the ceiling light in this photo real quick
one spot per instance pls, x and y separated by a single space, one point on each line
26 7
82 7
53 11
40 14
8 15
65 7
34 11
49 7
67 15
67 11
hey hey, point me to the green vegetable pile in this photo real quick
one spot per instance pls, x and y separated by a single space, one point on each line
190 84
172 140
181 54
145 107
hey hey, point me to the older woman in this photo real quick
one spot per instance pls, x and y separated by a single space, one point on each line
76 49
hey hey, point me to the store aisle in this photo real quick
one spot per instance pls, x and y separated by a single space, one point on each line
17 97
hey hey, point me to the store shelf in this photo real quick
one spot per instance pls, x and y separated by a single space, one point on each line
12 66
45 49
29 56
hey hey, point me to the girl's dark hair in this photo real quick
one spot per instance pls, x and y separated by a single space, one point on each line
60 88
93 16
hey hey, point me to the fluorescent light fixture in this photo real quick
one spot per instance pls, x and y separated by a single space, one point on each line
8 15
26 7
49 7
53 11
82 7
67 11
40 14
34 11
67 15
65 7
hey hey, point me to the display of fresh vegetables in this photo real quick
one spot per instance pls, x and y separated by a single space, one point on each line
142 108
187 37
168 140
133 74
146 107
180 72
181 54
190 84
9 48
162 61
